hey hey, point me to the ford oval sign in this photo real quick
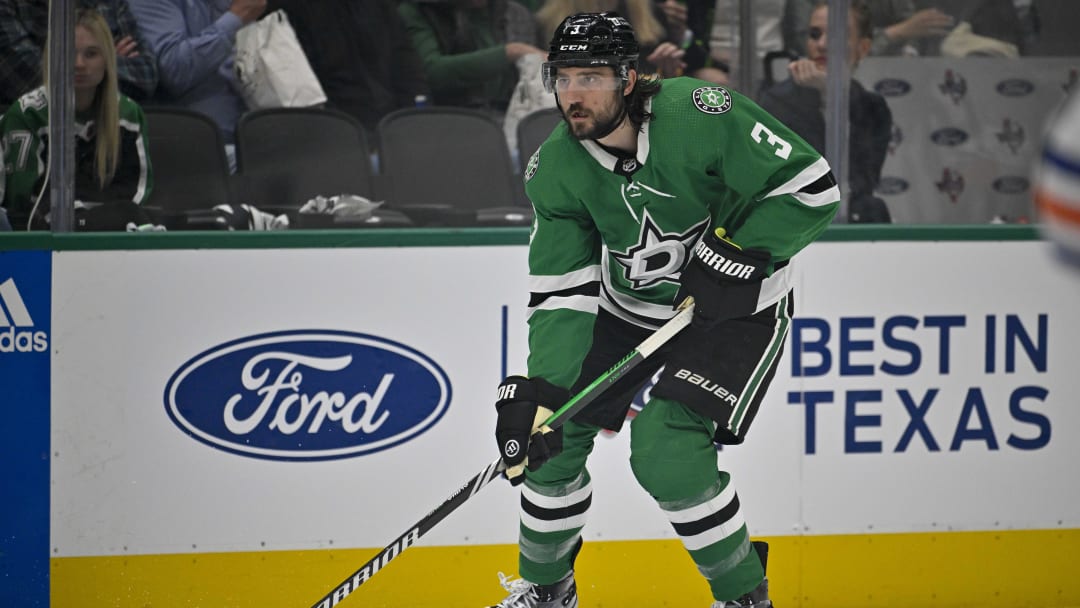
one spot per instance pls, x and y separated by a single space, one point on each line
1011 184
949 136
892 87
1015 87
891 185
307 395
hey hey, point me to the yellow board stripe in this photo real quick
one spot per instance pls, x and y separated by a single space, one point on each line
1007 569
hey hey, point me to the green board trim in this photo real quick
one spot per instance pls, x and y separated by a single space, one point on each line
440 237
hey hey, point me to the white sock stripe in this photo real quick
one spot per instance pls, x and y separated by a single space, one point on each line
703 510
714 534
558 525
557 502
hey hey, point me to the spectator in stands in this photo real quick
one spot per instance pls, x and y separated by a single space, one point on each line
1050 28
661 39
112 170
989 27
696 15
24 27
996 28
361 54
469 48
724 40
898 27
800 100
195 43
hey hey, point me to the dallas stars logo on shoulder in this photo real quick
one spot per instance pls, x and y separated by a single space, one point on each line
657 255
712 100
534 163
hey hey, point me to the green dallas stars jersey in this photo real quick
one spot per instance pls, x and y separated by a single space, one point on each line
25 130
615 233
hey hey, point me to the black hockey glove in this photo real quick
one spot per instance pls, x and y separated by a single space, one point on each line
523 439
723 278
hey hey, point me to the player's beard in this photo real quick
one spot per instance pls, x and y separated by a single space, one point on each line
602 123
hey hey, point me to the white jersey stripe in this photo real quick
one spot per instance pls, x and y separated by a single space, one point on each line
820 199
587 304
807 176
548 283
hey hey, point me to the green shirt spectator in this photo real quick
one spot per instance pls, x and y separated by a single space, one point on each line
469 48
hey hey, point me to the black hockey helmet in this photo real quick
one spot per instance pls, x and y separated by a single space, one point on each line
587 39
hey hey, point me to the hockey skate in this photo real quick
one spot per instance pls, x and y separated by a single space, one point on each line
524 594
759 597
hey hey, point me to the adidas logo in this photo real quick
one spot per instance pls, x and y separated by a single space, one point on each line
13 315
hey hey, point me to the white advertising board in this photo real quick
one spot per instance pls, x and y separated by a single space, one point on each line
235 400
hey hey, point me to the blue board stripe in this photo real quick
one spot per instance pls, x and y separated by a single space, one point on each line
25 330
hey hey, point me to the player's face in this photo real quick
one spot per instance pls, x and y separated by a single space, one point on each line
591 100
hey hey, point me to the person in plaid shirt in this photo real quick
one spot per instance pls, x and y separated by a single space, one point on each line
24 28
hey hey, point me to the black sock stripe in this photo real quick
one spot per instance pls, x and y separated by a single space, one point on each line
712 520
556 514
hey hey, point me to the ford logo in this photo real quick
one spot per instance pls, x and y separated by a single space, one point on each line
1011 184
891 185
949 136
892 87
307 395
1015 87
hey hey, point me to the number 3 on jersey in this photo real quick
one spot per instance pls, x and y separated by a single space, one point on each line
783 148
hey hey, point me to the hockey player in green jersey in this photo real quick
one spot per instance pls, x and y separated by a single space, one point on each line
112 166
647 193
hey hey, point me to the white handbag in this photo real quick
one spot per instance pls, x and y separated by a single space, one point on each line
271 66
529 96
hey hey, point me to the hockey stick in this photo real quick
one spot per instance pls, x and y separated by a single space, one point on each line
481 479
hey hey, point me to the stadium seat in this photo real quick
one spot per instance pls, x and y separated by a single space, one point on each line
191 171
448 166
288 156
533 129
775 64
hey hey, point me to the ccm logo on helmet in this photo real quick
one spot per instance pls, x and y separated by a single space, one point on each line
573 47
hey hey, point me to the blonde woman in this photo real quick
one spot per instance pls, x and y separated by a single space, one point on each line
112 169
660 35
